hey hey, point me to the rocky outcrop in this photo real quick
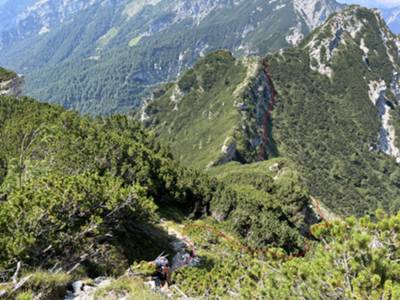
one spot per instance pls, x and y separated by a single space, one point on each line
324 45
256 123
387 136
12 87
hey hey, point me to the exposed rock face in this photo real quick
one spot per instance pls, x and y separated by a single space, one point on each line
12 87
387 135
353 27
255 100
322 50
313 13
228 151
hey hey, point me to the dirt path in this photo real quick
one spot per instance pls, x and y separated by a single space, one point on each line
179 243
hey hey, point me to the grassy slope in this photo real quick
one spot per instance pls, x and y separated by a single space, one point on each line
206 115
280 169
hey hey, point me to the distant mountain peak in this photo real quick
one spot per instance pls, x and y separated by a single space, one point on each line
348 26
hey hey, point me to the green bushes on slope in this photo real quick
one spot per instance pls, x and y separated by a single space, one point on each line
69 214
76 189
354 259
82 186
271 205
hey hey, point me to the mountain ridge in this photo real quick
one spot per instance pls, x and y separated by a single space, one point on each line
333 79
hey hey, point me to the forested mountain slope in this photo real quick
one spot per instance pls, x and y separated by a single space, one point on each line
337 111
101 56
74 190
330 105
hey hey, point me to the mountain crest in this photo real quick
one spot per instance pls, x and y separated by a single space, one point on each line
352 26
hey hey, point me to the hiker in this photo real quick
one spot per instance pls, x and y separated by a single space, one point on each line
162 270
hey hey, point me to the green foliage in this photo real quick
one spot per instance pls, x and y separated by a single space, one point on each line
86 186
144 268
132 288
269 206
70 214
25 296
354 259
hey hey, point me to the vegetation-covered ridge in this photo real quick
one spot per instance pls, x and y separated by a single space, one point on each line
85 195
216 112
330 105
